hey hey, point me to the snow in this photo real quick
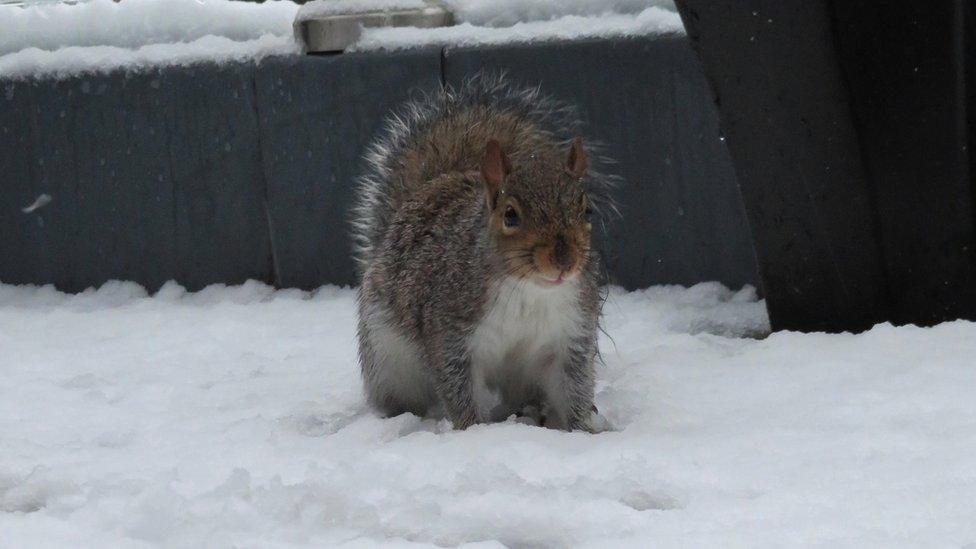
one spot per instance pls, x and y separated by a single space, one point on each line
490 13
103 35
501 13
73 60
233 417
100 36
318 8
135 23
653 20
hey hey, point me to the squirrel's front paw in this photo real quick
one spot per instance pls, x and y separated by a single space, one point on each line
464 421
598 423
594 423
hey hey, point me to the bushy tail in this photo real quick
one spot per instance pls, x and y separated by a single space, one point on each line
379 188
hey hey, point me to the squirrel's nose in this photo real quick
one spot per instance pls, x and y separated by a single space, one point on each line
561 253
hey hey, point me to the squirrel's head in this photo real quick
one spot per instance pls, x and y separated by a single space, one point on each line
538 213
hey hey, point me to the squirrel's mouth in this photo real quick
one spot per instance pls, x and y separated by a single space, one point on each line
549 281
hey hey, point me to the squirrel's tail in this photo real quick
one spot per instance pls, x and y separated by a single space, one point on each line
381 185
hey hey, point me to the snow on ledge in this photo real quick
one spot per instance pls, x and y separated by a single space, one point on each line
75 60
102 35
504 13
136 23
488 13
652 20
320 8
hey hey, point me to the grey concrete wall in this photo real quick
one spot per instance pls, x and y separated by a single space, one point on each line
221 174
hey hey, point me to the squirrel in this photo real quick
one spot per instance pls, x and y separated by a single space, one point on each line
480 288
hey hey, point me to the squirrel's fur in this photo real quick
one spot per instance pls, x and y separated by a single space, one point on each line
479 285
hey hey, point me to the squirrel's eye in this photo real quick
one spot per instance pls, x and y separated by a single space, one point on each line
589 212
511 218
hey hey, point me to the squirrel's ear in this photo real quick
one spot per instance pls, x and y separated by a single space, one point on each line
494 167
576 160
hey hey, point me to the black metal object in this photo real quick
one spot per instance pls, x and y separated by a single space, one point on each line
905 66
223 173
854 166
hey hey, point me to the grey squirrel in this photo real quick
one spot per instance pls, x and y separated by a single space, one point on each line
480 287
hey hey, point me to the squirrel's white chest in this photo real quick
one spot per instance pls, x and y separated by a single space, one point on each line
525 328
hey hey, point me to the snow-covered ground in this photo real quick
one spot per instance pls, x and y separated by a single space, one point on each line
233 418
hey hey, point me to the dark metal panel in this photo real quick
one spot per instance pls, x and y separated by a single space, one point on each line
219 188
154 176
906 69
99 151
21 234
165 174
316 116
646 100
785 112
